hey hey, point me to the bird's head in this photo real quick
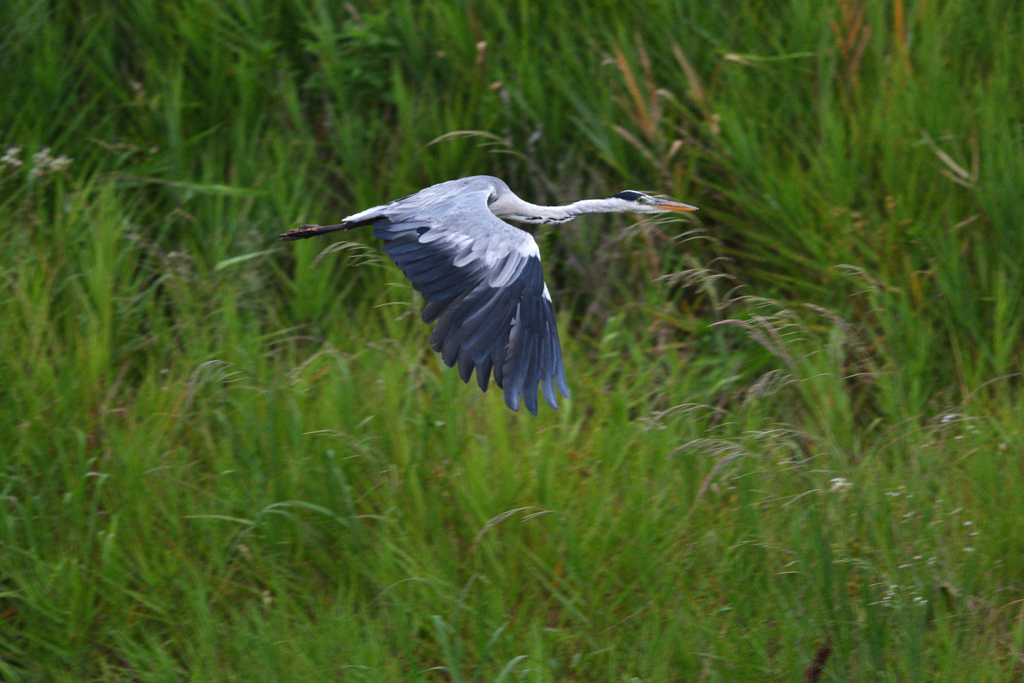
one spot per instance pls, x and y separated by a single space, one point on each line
631 201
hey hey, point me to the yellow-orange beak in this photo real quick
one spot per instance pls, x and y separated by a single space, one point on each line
667 205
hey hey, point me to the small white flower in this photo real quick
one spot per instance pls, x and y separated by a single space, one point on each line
10 158
61 163
840 484
43 163
42 158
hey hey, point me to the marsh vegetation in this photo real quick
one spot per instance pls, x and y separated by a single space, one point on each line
795 431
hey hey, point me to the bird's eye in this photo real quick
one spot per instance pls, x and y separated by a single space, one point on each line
643 199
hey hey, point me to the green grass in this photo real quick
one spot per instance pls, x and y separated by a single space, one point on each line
796 422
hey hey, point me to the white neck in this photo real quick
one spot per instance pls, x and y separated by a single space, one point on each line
515 209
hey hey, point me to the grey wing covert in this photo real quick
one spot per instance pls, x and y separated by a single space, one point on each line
493 313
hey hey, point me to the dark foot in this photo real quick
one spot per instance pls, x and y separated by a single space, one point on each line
307 231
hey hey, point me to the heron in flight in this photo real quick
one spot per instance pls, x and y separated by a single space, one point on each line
481 278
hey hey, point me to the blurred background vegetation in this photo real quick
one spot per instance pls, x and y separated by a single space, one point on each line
794 449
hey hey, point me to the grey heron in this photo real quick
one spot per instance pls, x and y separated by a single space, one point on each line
481 278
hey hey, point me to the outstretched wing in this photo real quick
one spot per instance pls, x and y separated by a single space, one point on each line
482 282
